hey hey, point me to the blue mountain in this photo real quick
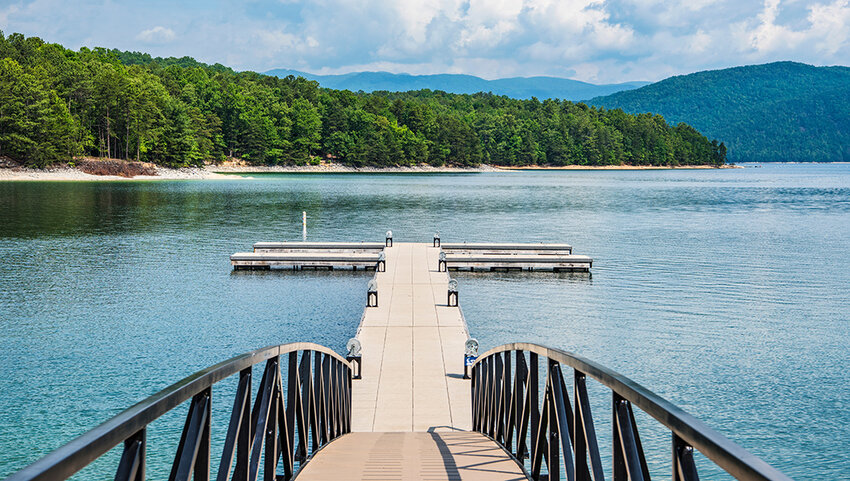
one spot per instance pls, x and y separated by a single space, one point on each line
516 87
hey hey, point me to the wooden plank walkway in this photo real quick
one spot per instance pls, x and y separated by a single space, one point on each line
413 346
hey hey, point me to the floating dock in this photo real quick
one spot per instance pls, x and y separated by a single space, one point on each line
451 256
506 249
304 260
518 262
313 247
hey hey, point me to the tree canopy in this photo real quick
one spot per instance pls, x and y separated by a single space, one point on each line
776 112
57 103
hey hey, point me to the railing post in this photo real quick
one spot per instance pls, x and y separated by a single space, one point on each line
260 415
132 464
533 391
523 405
508 401
271 454
193 451
238 440
618 458
684 468
584 436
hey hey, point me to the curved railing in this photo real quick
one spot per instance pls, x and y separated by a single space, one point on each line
507 408
291 428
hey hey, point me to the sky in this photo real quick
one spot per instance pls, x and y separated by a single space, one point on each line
589 40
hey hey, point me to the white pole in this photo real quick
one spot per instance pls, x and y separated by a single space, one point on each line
304 225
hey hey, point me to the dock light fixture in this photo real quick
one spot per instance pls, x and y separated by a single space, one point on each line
469 356
453 300
442 266
354 358
437 239
389 238
372 294
382 263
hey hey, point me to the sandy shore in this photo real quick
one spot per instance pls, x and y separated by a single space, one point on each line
225 171
72 174
621 167
220 172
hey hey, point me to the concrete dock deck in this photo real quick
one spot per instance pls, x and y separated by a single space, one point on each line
503 248
413 346
520 262
302 260
294 246
411 411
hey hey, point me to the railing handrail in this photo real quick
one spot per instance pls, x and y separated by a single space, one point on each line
84 449
724 452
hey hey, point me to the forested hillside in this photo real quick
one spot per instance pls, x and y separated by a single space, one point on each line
777 112
56 103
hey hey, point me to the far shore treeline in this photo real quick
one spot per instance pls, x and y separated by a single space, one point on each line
56 104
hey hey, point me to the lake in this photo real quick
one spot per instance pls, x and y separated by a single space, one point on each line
722 290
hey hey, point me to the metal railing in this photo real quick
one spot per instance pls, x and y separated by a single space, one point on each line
506 407
291 428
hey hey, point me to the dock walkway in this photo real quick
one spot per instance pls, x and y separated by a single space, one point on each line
411 411
413 346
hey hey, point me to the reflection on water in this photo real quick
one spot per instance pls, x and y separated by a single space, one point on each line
723 291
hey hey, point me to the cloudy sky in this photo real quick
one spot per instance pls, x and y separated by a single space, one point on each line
596 41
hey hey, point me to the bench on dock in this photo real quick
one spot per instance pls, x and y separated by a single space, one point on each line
304 260
487 262
506 249
336 247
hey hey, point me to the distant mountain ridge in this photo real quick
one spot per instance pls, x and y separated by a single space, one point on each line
516 87
782 111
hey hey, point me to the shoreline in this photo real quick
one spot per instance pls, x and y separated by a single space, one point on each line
620 167
221 172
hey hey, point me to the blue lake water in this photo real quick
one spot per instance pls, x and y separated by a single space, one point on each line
724 291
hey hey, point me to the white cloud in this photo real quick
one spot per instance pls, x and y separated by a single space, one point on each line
157 34
597 40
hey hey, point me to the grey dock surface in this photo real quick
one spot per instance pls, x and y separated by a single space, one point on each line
413 346
435 456
411 416
303 260
491 262
337 247
506 248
